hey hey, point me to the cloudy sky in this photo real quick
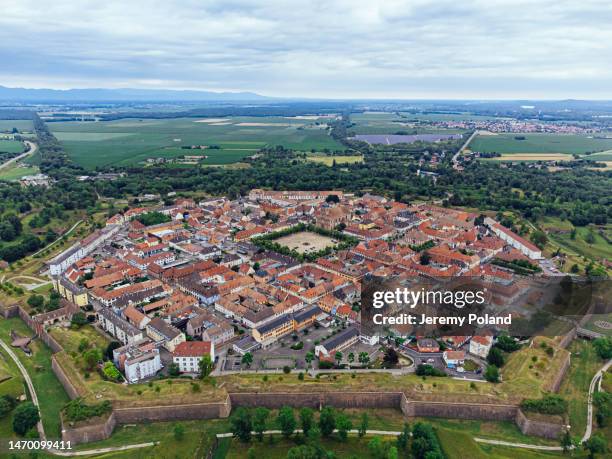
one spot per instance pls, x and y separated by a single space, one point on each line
333 48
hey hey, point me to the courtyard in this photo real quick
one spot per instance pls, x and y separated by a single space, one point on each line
306 242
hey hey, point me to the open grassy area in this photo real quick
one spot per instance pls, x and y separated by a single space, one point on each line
530 371
70 338
11 146
51 394
575 386
130 141
539 143
15 171
21 125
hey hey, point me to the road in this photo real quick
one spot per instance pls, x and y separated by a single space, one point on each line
67 233
596 379
31 151
455 159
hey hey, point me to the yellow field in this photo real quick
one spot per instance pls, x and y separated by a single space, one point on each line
534 157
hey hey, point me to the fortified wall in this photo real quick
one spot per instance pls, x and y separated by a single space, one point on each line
102 428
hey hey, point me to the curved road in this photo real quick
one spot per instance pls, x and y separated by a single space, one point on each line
31 151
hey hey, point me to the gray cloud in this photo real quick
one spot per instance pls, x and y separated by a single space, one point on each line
358 48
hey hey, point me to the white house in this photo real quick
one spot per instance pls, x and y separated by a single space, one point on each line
481 345
187 355
142 366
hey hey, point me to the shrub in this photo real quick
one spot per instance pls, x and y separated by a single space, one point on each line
428 370
78 410
550 404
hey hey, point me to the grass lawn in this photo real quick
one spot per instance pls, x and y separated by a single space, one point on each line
11 146
51 394
131 141
529 371
539 143
70 338
15 171
575 386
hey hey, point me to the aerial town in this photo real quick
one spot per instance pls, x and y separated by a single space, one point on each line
203 281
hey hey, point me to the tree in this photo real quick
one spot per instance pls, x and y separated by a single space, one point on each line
179 432
364 358
303 452
5 406
306 419
338 357
495 357
404 437
173 369
260 419
79 319
566 441
343 424
241 425
539 238
506 343
91 358
492 373
390 359
36 301
25 417
247 359
309 357
206 366
595 444
425 258
327 421
286 421
376 447
603 347
363 426
351 358
110 348
332 198
392 453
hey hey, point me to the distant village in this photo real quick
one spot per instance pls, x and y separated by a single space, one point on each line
261 274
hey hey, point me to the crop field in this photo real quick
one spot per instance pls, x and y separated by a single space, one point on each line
21 125
11 146
390 123
509 144
339 159
132 141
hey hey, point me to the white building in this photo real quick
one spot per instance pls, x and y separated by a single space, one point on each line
142 365
187 355
481 345
513 239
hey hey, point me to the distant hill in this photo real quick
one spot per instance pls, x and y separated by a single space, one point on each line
121 95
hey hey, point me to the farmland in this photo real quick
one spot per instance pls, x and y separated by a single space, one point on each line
131 141
21 125
539 144
389 123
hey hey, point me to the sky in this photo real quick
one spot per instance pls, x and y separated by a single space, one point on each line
418 49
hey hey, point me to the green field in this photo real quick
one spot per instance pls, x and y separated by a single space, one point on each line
21 125
389 123
130 141
539 143
15 172
11 146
